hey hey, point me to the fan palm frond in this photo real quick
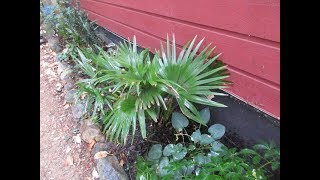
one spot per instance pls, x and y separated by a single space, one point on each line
143 84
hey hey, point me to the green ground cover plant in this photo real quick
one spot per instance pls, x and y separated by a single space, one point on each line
205 157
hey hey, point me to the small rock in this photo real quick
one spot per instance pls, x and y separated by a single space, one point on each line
69 160
69 86
65 74
59 87
70 96
53 43
91 133
78 110
75 131
77 120
77 139
68 150
95 173
42 41
109 168
100 147
100 138
49 71
45 65
61 68
89 122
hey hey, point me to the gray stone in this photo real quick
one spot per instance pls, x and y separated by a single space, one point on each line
100 147
85 124
69 86
66 74
42 41
70 96
54 44
78 110
109 169
59 87
47 32
90 133
61 68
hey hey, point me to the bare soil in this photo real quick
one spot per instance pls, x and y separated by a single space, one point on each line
61 157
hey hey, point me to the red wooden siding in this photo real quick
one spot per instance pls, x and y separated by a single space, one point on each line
245 32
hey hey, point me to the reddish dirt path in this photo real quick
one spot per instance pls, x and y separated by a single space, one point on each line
61 158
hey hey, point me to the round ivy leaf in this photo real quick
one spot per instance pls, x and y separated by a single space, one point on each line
179 121
178 146
179 154
207 159
199 159
205 114
197 171
196 136
214 154
187 170
206 139
163 163
216 146
247 151
155 152
155 164
217 130
168 150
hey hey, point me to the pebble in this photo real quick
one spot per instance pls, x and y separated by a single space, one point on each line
68 149
59 87
69 160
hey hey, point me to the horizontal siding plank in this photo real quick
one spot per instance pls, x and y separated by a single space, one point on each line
257 93
260 18
255 58
251 90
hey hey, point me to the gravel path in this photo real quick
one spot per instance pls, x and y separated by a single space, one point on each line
62 157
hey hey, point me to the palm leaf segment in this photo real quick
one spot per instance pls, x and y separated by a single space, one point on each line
192 77
143 84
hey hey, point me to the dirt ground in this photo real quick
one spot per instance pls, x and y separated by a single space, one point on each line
62 157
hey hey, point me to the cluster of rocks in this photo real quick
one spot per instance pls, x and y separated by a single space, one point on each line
108 167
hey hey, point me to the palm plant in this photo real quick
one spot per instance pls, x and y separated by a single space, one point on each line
96 94
143 84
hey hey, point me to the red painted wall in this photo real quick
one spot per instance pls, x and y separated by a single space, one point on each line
246 32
